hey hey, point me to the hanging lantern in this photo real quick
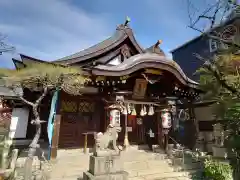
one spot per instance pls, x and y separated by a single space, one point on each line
115 117
166 119
142 112
151 111
134 113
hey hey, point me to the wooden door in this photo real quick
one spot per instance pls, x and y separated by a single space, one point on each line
150 123
132 133
69 131
78 117
140 130
68 127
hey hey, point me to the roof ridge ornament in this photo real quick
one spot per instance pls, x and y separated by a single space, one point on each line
127 21
158 43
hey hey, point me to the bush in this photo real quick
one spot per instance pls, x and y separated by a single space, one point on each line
215 170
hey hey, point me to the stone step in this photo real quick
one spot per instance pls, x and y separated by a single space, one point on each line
167 175
143 159
149 171
139 165
185 164
135 157
187 167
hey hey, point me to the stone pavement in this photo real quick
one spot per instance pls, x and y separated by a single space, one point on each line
140 164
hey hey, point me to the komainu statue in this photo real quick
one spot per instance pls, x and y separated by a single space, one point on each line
106 143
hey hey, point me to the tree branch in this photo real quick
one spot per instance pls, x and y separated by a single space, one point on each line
45 91
212 18
205 17
22 98
221 80
218 75
192 27
26 101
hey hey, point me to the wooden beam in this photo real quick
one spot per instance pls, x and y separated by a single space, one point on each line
55 138
154 103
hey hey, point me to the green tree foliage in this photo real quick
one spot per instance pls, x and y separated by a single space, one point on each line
216 170
41 77
220 79
38 76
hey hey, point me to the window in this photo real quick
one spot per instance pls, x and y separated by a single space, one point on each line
116 61
213 45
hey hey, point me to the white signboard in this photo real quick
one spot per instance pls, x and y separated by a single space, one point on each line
129 129
19 122
151 133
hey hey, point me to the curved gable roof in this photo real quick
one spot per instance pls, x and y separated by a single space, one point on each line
146 60
122 33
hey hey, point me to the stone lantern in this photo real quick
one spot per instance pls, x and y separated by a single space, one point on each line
219 136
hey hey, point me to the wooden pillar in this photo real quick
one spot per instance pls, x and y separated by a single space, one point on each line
106 117
159 129
195 130
166 137
55 138
192 115
85 142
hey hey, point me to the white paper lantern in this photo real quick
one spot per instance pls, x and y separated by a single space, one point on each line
166 119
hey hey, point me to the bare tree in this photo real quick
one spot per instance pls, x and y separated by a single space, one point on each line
214 14
3 46
220 76
41 77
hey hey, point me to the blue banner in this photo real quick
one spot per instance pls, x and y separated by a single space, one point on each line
52 116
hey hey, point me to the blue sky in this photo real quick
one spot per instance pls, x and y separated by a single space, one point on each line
51 29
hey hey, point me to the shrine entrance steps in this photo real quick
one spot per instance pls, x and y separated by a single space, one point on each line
140 164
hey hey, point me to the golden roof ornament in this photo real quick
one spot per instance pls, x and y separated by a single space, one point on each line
127 21
158 43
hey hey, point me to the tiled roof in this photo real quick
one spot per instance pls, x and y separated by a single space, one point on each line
122 33
102 45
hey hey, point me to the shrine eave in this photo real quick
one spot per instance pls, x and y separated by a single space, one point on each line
141 61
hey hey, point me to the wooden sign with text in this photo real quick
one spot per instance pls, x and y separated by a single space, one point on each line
140 88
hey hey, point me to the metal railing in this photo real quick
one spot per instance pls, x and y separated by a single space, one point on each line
178 145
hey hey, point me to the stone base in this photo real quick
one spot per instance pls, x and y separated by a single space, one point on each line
105 164
123 175
219 152
106 153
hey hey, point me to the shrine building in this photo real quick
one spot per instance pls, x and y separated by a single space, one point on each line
145 77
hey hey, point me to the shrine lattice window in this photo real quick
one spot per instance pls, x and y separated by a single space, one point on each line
86 107
69 106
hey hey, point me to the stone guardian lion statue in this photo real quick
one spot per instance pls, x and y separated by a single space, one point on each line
107 141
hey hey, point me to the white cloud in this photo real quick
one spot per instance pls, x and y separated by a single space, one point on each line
51 29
